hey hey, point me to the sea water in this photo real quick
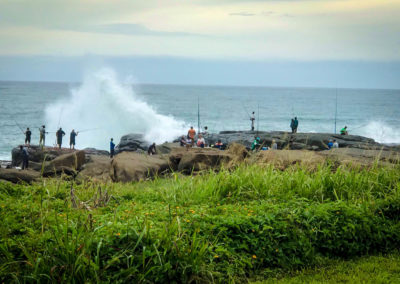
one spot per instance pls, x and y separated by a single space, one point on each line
105 106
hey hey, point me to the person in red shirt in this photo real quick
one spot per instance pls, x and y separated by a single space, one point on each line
192 134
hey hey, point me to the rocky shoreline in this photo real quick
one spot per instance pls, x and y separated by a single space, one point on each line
131 162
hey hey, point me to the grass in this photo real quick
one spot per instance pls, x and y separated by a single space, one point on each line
229 226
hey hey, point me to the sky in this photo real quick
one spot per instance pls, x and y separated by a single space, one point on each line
350 43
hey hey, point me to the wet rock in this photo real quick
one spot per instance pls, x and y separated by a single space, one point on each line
132 143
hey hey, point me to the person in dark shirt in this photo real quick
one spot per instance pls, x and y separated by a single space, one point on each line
28 134
60 133
25 157
152 149
112 147
295 124
72 139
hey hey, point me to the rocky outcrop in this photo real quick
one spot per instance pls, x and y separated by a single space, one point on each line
298 141
96 168
16 176
37 154
68 163
127 167
94 151
132 143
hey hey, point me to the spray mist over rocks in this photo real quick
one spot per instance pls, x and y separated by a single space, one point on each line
102 107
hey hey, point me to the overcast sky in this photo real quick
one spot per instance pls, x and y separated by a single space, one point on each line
58 40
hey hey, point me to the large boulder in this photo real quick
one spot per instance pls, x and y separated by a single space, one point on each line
67 163
132 143
96 168
128 166
197 159
38 154
16 176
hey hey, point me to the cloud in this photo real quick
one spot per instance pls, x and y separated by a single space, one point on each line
125 29
243 14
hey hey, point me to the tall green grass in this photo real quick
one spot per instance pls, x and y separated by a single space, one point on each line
225 226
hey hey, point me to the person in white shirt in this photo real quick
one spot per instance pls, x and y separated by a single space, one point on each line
335 144
200 141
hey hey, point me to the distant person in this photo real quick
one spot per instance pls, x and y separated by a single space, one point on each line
72 139
343 131
219 144
28 134
335 144
25 157
274 146
182 142
200 141
256 144
60 133
152 149
42 135
112 147
192 134
205 132
252 119
292 125
296 124
330 144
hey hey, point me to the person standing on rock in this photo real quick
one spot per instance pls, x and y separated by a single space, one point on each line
192 134
72 139
28 134
252 119
292 125
60 133
295 124
42 132
152 149
25 157
112 147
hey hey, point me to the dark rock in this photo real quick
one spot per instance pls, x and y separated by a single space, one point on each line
16 176
132 143
37 154
94 151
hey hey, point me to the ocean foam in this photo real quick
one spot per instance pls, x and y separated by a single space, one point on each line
380 132
108 109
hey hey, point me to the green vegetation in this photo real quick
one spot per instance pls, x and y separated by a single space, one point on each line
244 224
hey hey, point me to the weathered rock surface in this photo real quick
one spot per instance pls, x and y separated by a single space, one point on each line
16 176
93 151
67 163
96 168
298 141
126 167
37 154
131 143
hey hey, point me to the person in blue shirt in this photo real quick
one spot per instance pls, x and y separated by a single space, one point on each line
112 147
330 144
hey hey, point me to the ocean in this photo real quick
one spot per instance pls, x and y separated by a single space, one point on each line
105 106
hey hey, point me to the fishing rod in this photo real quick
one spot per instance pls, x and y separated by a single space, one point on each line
198 115
335 112
258 116
85 130
20 128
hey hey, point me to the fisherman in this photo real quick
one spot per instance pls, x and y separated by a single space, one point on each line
219 144
112 147
205 132
330 144
343 131
183 141
72 139
252 119
28 134
335 144
255 144
192 134
292 125
295 124
25 157
42 132
200 141
60 133
152 149
274 146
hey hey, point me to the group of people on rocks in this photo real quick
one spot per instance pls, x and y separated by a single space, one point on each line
59 135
